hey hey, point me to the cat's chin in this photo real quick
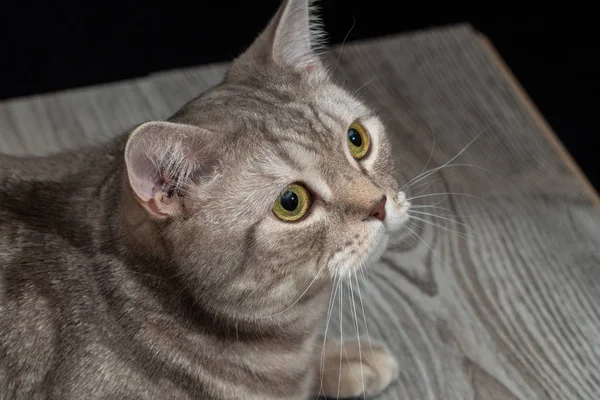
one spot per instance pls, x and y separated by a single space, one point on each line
348 262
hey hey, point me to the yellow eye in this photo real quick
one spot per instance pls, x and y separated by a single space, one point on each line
293 203
358 140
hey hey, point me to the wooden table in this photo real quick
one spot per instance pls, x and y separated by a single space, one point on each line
493 292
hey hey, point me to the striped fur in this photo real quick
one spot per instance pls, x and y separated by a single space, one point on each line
153 267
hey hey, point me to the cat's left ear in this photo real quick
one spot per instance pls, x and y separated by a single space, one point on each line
163 159
291 40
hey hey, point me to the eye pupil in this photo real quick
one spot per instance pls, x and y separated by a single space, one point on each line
293 203
289 200
354 137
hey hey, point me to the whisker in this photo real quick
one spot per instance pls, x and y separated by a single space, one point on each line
443 218
444 194
426 221
355 316
363 85
299 298
345 353
432 206
432 149
432 171
420 238
452 212
363 275
368 288
375 313
344 42
342 348
428 183
442 227
336 285
413 242
424 190
453 158
364 315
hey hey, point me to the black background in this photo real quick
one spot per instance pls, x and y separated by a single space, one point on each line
50 46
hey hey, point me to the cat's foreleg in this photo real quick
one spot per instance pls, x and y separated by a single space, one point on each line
363 370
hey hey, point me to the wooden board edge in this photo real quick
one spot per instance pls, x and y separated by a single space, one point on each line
538 117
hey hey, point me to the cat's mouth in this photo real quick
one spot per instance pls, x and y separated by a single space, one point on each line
367 249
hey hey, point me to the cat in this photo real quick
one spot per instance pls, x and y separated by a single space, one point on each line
194 258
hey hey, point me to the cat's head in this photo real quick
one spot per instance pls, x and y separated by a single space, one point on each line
273 180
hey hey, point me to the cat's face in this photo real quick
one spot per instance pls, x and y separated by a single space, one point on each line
287 180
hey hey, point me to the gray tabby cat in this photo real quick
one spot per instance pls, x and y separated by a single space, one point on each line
194 258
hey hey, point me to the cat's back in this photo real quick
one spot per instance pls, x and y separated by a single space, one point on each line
46 203
45 261
35 191
43 206
57 166
42 198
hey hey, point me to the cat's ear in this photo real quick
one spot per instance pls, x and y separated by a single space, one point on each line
162 160
292 39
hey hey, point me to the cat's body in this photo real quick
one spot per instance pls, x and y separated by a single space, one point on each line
158 267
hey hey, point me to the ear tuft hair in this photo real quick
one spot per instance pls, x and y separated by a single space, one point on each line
173 163
299 37
162 160
293 39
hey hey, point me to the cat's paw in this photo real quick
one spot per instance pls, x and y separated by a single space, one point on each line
365 370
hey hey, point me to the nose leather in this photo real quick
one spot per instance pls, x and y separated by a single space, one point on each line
379 209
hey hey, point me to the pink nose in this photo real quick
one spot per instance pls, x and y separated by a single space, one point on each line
379 210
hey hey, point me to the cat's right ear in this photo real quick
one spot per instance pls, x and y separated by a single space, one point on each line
292 40
162 160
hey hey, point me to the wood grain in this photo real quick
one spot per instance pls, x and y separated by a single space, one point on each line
535 113
500 300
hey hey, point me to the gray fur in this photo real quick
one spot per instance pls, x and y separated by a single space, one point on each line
152 267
